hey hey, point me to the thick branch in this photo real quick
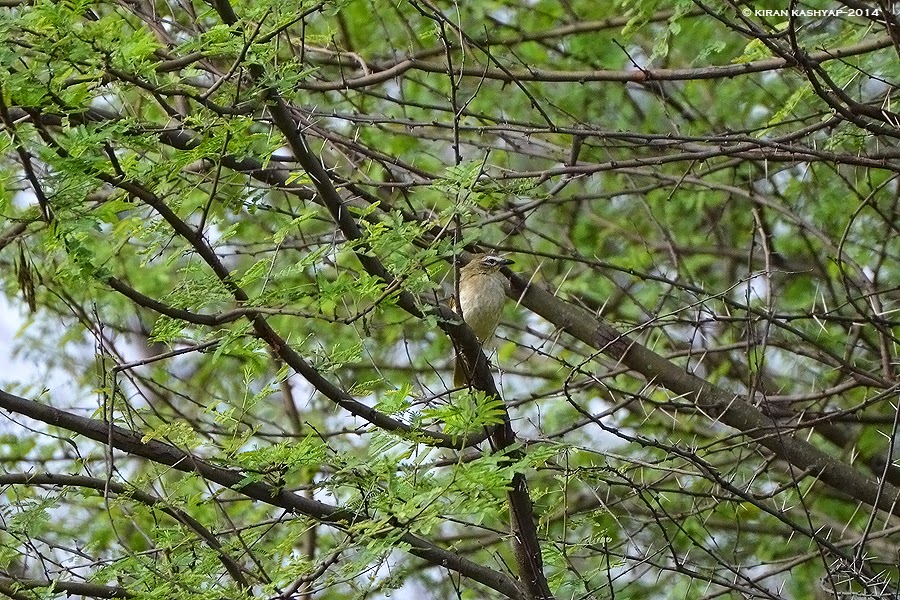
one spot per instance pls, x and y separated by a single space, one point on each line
93 590
269 335
387 72
727 407
525 540
159 452
103 486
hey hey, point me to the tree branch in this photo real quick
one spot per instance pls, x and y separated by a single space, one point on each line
131 442
9 586
727 407
104 486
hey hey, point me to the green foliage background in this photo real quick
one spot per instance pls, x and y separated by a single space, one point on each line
652 162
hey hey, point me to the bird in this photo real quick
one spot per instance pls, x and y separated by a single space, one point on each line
482 292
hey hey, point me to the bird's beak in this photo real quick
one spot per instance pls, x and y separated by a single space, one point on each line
506 261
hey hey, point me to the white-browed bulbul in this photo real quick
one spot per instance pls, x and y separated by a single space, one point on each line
482 292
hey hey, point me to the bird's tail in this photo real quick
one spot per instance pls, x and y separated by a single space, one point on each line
459 372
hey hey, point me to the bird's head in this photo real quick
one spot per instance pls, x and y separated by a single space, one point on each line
486 263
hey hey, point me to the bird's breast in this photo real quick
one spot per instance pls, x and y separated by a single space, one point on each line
481 299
